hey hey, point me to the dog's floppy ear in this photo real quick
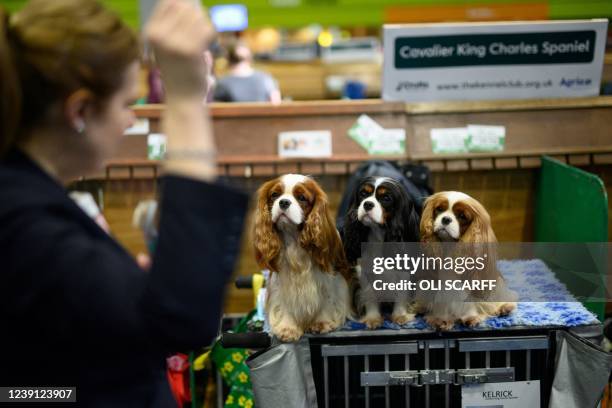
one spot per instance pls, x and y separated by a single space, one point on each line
404 226
481 240
427 219
320 237
413 221
353 234
266 241
480 230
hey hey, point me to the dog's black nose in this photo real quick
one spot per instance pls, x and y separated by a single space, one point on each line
284 204
368 205
446 220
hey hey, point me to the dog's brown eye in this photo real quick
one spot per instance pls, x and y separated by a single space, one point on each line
274 194
363 194
462 217
439 208
386 198
301 197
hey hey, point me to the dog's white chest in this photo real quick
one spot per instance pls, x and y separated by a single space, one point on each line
300 287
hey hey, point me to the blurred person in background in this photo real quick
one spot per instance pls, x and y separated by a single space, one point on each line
243 83
76 308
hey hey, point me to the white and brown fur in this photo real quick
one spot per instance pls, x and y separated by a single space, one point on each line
452 216
380 211
296 239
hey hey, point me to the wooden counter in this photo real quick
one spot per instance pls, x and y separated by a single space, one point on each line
573 130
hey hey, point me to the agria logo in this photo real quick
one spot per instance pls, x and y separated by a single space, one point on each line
411 86
575 82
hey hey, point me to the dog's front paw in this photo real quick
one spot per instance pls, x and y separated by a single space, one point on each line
506 309
288 333
472 321
373 322
324 326
438 323
402 318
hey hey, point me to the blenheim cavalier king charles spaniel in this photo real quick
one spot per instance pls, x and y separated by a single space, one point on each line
296 239
380 211
452 216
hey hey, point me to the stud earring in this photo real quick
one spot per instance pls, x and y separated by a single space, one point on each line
79 126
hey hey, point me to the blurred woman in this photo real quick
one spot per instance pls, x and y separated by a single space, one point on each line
76 310
243 83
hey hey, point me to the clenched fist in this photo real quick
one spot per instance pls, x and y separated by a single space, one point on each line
179 32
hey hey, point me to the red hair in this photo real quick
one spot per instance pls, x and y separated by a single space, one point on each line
266 241
318 235
479 231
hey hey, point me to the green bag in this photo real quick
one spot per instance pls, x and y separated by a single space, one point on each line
231 363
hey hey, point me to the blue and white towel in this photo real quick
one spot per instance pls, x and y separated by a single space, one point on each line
550 303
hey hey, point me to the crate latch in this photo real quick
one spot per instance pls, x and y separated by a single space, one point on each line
485 375
434 377
403 378
429 377
384 378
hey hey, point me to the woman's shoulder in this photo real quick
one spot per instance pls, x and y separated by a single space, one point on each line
36 214
24 185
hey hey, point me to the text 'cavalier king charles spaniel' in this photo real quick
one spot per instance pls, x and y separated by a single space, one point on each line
380 211
455 217
296 239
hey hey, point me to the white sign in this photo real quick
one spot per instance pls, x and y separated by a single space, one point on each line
156 146
510 60
390 141
312 143
449 140
364 130
483 138
375 139
140 127
520 394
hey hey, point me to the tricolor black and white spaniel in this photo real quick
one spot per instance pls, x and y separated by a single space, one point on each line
380 211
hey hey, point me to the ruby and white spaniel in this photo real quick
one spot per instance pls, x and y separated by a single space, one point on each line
296 239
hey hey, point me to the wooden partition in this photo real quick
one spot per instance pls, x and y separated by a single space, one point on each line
576 131
309 80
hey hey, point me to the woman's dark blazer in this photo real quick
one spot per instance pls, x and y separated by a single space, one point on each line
76 310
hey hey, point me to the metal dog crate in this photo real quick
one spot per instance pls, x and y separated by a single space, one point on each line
412 368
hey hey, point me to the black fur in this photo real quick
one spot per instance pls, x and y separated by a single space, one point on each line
401 226
353 234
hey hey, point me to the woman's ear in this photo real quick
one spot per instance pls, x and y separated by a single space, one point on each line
77 108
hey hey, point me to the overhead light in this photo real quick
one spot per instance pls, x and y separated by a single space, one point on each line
325 38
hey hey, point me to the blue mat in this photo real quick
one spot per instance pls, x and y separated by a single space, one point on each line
550 303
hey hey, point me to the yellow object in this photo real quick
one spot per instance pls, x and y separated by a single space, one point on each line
258 282
325 38
237 357
200 362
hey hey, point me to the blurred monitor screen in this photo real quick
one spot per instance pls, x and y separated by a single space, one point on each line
229 17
